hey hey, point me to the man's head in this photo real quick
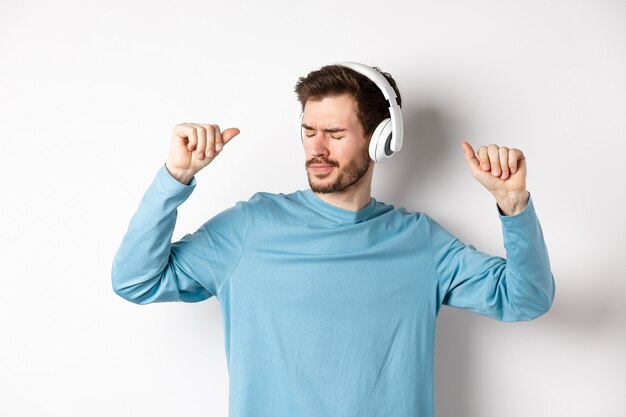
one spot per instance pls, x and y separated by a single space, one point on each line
341 111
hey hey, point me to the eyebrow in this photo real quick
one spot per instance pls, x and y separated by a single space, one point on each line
331 130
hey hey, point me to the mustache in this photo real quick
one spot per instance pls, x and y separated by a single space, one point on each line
320 162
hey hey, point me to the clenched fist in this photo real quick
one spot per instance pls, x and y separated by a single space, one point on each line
503 172
194 146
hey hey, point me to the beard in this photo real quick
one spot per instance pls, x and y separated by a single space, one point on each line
346 176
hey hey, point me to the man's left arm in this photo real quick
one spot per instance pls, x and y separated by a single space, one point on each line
520 287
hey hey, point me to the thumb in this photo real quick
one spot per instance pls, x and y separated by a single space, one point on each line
229 133
470 157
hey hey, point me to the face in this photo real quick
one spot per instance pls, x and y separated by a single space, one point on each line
335 146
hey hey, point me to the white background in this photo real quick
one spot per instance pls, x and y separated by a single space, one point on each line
89 94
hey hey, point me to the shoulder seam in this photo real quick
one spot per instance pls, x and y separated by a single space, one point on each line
432 257
243 247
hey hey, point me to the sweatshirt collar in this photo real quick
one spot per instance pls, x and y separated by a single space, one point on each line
338 213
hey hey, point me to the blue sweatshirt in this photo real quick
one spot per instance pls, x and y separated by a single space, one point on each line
328 311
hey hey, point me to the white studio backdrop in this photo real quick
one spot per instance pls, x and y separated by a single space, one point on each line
89 94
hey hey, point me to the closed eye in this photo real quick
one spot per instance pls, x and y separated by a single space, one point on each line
334 137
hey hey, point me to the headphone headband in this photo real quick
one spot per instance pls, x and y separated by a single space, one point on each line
379 79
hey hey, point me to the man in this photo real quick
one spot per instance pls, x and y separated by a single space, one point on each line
329 297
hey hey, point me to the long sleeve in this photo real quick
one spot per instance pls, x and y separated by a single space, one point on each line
148 267
518 288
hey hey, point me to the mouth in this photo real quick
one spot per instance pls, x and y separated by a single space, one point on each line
321 169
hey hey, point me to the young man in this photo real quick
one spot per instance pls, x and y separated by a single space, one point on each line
329 297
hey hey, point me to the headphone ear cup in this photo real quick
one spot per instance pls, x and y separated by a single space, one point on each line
300 127
379 148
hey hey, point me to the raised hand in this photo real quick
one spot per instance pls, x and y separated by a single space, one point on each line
194 146
503 172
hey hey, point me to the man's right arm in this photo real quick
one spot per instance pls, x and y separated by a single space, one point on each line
149 268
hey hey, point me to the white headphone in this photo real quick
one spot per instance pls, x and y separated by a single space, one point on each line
387 137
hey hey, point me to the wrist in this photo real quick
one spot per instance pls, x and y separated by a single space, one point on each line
181 176
512 203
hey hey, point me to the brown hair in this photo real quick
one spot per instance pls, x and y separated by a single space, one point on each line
334 80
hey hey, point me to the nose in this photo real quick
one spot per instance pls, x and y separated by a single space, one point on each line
317 144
